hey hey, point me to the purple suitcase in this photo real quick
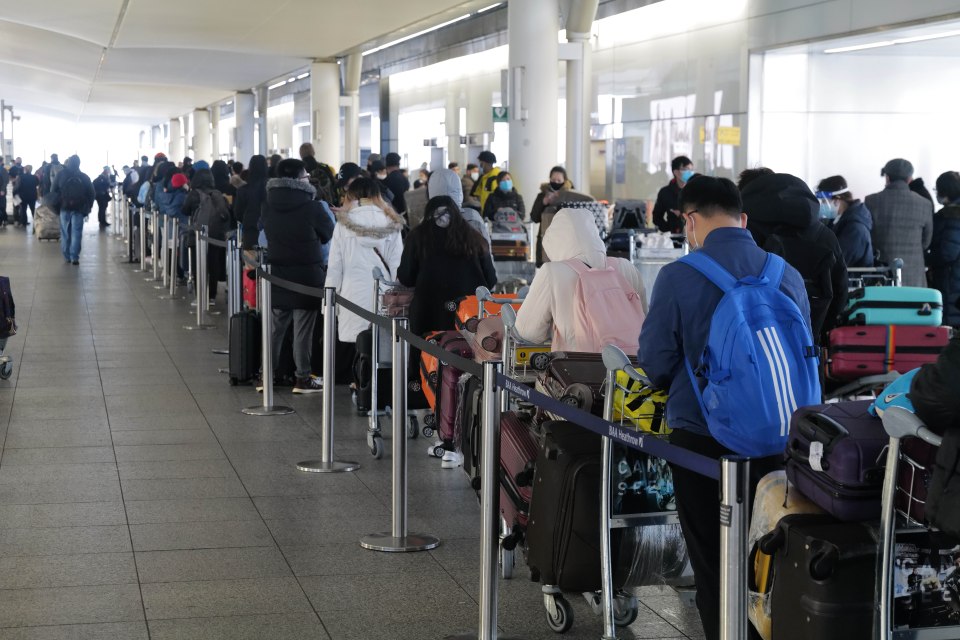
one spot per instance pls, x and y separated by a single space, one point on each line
836 455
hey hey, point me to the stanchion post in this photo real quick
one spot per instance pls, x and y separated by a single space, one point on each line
155 247
174 259
166 252
399 539
489 505
606 555
200 282
734 474
266 348
224 351
326 463
142 232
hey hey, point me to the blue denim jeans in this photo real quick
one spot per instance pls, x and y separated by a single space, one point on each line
71 229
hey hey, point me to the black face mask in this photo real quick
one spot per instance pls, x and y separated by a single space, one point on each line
556 186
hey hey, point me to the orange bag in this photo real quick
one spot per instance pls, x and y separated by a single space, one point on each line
468 310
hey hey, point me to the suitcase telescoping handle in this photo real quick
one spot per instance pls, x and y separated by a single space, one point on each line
817 427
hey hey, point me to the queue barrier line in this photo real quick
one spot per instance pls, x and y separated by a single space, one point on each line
732 472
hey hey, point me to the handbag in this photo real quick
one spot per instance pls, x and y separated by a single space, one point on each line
396 300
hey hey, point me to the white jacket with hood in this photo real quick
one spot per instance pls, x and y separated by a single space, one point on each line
359 234
547 312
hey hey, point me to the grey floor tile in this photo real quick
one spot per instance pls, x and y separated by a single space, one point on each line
403 622
62 490
223 598
163 436
79 514
53 471
167 469
70 605
349 592
303 626
182 489
303 484
31 572
211 564
63 540
200 535
107 631
351 505
148 423
159 452
326 531
57 433
351 559
56 455
190 510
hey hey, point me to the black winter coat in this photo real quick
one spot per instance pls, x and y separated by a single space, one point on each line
439 278
668 200
503 199
935 393
27 188
296 226
945 261
399 186
853 233
246 209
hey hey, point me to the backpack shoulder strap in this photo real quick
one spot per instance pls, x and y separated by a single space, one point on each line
577 266
773 270
710 269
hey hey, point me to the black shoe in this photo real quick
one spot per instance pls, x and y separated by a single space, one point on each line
76 262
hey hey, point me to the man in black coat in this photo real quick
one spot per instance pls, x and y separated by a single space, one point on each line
101 191
72 191
396 182
783 217
666 211
296 226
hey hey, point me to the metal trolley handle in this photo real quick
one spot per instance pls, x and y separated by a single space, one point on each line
900 423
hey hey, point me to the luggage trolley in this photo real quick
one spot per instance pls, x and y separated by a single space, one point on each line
887 275
383 342
522 360
6 362
897 520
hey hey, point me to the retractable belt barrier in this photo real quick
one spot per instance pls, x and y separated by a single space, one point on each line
731 471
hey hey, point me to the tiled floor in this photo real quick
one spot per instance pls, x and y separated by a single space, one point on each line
136 501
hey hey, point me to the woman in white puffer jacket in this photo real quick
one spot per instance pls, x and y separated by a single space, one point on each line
367 235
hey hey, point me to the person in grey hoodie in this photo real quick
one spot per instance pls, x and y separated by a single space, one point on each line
445 182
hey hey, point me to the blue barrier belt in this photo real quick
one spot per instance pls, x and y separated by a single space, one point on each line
381 321
628 437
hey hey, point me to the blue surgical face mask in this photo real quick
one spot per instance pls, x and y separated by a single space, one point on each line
506 185
685 175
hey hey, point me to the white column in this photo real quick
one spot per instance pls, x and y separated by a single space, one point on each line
156 136
452 129
263 104
243 116
176 141
533 26
215 130
579 27
325 111
202 149
353 64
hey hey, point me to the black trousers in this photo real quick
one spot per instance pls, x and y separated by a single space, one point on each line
102 202
24 205
698 505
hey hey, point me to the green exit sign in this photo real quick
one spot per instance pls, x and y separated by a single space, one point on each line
500 114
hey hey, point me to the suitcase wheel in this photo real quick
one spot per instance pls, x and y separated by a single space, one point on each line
625 609
6 370
375 442
507 560
578 395
559 613
413 427
234 381
540 361
472 325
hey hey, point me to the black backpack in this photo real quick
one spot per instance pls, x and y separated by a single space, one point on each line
815 263
324 181
213 212
73 192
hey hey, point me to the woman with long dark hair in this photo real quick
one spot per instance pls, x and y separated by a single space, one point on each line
250 199
444 259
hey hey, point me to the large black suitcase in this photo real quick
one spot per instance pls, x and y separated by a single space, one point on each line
245 345
824 577
363 375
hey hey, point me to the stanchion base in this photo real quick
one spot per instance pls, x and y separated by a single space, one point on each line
199 327
390 544
169 297
161 286
474 635
260 410
336 466
220 352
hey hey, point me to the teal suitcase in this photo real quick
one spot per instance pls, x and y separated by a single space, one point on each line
916 306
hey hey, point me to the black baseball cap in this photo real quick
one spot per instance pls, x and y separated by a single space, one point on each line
348 170
487 156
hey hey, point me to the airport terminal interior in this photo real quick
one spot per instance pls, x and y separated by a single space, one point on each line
138 501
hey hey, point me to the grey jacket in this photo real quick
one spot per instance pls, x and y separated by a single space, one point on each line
902 228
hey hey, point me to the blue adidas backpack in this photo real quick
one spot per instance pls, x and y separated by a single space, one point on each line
759 362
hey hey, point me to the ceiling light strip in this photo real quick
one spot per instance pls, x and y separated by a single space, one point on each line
890 43
416 35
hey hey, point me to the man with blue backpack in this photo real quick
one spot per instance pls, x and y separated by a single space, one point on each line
728 334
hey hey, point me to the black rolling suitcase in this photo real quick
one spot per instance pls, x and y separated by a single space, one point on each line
245 345
363 375
824 578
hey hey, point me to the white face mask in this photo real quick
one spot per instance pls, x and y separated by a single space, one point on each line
474 175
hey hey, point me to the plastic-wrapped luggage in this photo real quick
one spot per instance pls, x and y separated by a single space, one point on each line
773 499
894 305
509 237
46 223
855 352
836 455
825 578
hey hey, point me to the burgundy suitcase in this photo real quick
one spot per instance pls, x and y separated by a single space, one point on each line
576 378
856 352
836 455
518 456
446 392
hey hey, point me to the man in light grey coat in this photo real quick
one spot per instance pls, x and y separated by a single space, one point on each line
902 222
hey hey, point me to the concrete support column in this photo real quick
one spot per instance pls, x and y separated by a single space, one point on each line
325 111
176 151
452 126
202 149
156 138
533 25
579 27
243 116
215 130
263 98
353 64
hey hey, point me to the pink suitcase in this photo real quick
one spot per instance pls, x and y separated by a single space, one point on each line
518 455
856 352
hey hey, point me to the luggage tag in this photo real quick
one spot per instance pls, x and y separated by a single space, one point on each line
816 456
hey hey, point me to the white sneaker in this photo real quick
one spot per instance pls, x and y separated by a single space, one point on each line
433 448
452 460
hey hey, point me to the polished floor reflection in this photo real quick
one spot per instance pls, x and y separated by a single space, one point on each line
137 502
